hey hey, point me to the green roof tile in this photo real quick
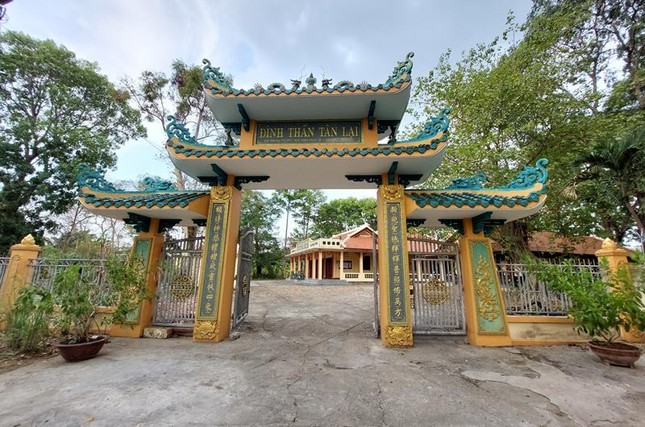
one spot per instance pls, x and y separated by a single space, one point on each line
449 199
149 200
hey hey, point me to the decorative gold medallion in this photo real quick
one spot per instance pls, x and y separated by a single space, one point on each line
488 307
398 336
392 192
182 287
221 193
435 291
205 330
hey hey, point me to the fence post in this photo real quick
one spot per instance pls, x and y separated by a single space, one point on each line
616 258
18 272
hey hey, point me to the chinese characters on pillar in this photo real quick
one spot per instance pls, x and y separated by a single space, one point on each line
396 266
214 252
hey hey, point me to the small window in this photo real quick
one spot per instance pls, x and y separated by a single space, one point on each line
347 265
367 262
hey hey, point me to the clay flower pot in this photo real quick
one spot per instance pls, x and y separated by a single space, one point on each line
81 351
616 353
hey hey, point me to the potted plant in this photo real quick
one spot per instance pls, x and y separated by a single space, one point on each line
77 298
600 307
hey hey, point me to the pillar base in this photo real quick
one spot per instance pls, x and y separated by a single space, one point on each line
397 336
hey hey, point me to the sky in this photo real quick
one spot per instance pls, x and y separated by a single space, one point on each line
258 42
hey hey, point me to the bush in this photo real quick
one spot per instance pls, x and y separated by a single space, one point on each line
27 328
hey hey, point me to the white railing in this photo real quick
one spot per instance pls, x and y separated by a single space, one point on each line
317 244
358 277
525 295
4 263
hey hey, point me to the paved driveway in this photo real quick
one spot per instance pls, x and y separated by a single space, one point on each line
307 356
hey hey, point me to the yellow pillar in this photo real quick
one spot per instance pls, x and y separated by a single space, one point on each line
320 265
215 291
394 289
306 266
341 273
616 258
485 312
148 245
18 272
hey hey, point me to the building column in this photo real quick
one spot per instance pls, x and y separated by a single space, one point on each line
360 266
341 274
215 291
320 265
306 266
394 289
147 245
18 272
485 312
616 258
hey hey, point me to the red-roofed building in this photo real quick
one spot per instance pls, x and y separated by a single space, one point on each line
321 259
345 256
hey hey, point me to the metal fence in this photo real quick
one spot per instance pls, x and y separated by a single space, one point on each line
44 272
525 295
4 263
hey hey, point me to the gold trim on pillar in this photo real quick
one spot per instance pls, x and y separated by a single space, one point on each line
398 336
205 330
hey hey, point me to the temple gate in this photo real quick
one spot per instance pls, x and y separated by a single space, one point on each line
332 136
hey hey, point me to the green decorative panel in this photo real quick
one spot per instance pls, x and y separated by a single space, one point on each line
213 260
396 267
308 132
488 305
141 250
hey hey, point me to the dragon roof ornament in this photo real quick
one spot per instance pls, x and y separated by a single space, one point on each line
221 82
402 71
93 179
178 129
435 126
529 176
218 83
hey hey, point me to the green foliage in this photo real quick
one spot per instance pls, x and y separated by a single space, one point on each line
340 215
77 296
303 204
74 293
128 287
546 88
619 163
56 111
260 213
599 307
28 320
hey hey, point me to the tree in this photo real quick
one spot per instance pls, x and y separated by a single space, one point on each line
56 111
260 213
545 94
340 215
180 94
619 163
305 209
287 201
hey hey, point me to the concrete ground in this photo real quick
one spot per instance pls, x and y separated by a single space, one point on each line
307 356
